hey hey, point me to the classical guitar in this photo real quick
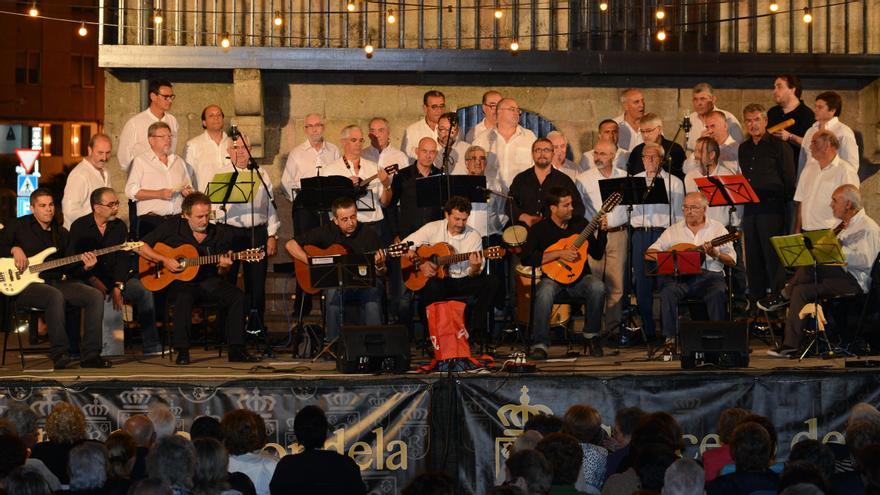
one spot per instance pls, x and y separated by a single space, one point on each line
718 241
155 276
12 281
304 279
442 255
566 272
390 170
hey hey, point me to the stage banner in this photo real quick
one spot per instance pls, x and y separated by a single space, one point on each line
802 405
382 425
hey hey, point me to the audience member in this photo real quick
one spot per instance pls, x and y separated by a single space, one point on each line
121 454
506 490
565 457
651 465
315 470
752 450
25 481
684 477
860 434
141 430
625 423
530 471
815 452
768 425
173 459
211 475
526 440
544 424
152 486
715 459
164 422
430 484
244 434
87 465
24 419
65 429
868 461
803 489
585 424
206 427
798 472
12 454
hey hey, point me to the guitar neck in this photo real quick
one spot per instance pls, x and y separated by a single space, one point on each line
457 258
210 259
48 265
588 231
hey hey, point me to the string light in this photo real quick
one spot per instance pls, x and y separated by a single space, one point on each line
660 14
774 7
661 35
82 30
391 19
350 7
603 6
278 20
157 16
225 43
33 12
808 18
498 14
368 49
514 46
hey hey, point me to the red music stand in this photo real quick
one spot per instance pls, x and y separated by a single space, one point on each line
677 263
727 190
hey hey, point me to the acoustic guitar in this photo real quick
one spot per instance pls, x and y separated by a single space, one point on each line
155 276
566 272
304 279
364 184
718 241
442 255
12 281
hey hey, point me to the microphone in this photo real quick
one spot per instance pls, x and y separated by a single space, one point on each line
234 133
686 124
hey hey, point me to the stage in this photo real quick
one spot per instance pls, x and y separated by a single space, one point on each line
395 426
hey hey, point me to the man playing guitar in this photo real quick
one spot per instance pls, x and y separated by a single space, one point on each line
347 232
193 228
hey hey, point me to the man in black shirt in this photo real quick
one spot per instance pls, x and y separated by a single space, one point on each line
530 187
787 91
112 274
651 129
357 239
767 162
559 224
28 236
193 228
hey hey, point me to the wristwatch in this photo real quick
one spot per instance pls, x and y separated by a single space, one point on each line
120 285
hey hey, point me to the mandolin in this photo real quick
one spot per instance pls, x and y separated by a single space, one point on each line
156 277
442 255
301 269
718 241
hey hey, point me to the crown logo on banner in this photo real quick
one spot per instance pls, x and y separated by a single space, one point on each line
516 415
135 398
260 404
44 406
341 400
95 410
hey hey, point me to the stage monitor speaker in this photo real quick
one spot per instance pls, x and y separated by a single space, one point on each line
373 349
720 343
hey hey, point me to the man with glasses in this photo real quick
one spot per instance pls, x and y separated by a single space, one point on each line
133 140
433 105
490 112
111 275
651 128
609 130
90 174
447 136
704 102
529 188
509 145
158 180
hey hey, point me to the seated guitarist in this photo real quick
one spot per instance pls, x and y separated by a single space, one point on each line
193 228
28 236
699 231
345 231
465 278
563 223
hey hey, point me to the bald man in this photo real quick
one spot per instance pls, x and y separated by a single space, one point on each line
509 144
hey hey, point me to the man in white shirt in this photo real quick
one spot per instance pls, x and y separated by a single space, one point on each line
433 105
206 153
827 110
609 130
158 180
490 112
633 104
486 218
704 102
380 149
88 175
716 128
133 140
860 239
825 171
465 278
509 145
609 269
305 161
560 161
447 136
357 168
648 222
709 284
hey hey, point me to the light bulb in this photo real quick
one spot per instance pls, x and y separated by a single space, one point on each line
514 46
660 14
157 17
278 20
225 43
808 18
499 14
603 6
82 30
391 19
368 49
33 12
774 7
661 35
350 7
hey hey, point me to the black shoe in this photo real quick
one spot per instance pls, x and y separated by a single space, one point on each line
596 347
182 357
61 362
95 362
242 356
772 303
538 354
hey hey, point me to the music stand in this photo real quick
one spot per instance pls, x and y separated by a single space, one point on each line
340 271
238 191
816 248
318 193
436 189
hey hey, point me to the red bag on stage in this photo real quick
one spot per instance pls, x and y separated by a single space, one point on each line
449 336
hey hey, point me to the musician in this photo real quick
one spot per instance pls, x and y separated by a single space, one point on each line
529 187
648 222
703 101
486 218
697 230
158 180
206 153
717 129
380 149
608 268
860 239
29 235
193 228
346 231
651 129
827 111
787 90
767 162
508 144
112 274
560 161
90 174
821 176
433 106
490 115
562 222
609 130
250 225
633 105
465 278
447 134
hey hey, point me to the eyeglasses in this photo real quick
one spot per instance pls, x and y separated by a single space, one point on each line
112 204
691 207
355 140
650 157
161 136
490 105
542 150
437 107
313 126
652 129
512 109
170 97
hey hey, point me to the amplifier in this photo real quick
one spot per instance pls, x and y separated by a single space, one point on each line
720 343
373 349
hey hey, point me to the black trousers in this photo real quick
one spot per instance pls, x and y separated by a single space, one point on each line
804 288
764 271
230 305
482 288
254 273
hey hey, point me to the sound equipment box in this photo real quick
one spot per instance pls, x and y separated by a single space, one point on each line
724 344
373 349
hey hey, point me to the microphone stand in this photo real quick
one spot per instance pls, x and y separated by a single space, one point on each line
447 148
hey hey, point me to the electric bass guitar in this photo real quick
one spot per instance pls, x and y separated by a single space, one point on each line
566 272
12 281
442 255
155 276
304 279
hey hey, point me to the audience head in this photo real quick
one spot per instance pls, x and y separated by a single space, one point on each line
121 454
430 483
651 464
13 454
728 420
860 434
506 489
173 459
141 430
151 486
797 472
311 427
526 440
164 422
684 477
212 466
243 431
66 423
531 471
206 427
771 430
87 466
815 452
564 455
868 462
7 428
24 419
864 411
658 428
24 481
750 447
583 422
803 489
625 422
